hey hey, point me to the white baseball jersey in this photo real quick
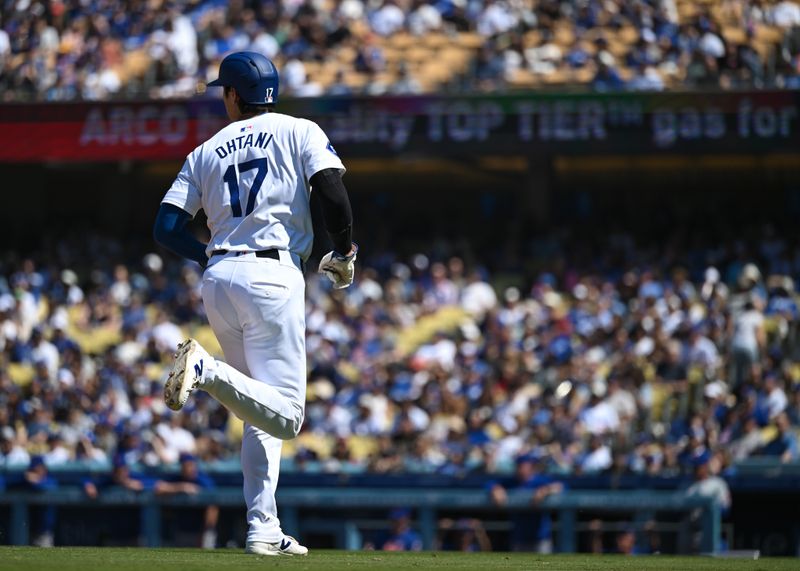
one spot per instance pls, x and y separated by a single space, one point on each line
251 179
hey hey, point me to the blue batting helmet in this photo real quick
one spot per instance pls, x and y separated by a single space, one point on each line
253 76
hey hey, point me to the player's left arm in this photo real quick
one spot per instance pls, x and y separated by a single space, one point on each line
171 231
336 209
338 265
324 169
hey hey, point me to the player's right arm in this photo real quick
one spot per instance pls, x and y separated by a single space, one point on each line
180 205
171 231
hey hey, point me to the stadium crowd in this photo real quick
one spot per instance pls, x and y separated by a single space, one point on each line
99 49
630 359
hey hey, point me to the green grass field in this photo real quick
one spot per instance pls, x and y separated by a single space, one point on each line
101 559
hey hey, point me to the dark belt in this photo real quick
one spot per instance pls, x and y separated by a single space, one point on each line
271 253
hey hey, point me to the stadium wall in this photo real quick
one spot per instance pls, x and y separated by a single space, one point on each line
542 160
652 505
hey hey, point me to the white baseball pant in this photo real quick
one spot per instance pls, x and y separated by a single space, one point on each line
256 308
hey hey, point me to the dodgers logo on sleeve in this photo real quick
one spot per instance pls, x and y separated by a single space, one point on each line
331 149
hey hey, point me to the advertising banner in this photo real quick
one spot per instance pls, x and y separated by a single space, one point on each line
523 124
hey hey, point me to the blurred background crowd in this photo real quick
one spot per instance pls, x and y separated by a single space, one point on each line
60 50
612 356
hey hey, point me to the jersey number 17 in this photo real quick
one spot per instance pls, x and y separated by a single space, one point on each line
230 178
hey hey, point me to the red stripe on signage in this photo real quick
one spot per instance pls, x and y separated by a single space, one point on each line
99 141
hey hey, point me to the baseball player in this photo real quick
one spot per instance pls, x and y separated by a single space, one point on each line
253 179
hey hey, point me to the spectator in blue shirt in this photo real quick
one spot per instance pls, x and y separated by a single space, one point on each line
400 537
462 535
120 476
784 445
43 519
190 480
794 405
607 78
531 530
62 342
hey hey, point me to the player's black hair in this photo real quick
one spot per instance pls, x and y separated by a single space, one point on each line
250 108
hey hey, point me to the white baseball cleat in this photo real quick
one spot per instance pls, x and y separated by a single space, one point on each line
186 373
286 546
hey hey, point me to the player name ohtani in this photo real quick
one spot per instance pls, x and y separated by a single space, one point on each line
242 141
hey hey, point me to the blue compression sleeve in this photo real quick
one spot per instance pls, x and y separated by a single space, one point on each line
170 231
